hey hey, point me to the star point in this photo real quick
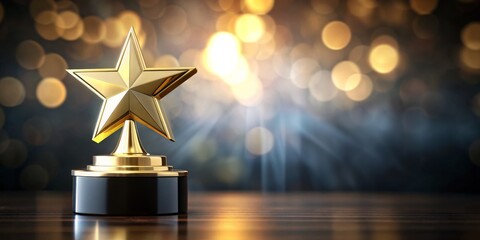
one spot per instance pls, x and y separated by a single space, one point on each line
131 91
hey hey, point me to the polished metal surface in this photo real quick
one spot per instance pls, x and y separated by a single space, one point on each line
254 215
131 91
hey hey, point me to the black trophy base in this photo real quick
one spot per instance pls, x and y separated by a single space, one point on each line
114 195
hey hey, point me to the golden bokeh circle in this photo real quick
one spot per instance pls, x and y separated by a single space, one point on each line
324 7
53 66
73 33
46 17
222 53
130 19
259 6
336 35
39 6
383 58
363 89
471 35
49 31
321 86
114 33
249 27
67 19
94 29
51 92
423 7
346 75
30 55
12 92
470 58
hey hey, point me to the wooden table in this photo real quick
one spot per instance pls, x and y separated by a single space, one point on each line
253 216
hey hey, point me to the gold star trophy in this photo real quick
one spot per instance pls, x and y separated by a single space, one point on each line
130 181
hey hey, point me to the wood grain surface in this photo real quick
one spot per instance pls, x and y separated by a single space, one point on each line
238 215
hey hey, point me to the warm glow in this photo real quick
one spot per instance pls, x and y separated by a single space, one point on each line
12 92
249 92
302 70
259 6
383 58
249 27
362 91
73 33
336 35
53 66
423 7
470 58
321 86
30 54
67 19
166 61
240 73
259 141
94 29
51 92
346 75
222 53
130 19
471 35
114 33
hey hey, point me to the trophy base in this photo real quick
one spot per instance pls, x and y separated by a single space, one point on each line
129 195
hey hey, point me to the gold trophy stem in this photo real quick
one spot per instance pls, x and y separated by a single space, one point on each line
129 143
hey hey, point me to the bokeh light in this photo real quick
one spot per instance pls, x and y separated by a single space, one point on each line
325 7
346 75
336 35
259 141
12 92
423 7
259 6
249 27
222 53
302 70
319 76
248 92
471 36
383 58
51 92
94 29
470 58
30 54
363 90
53 66
114 32
321 86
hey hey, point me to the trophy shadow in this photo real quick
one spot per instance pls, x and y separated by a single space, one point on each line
123 227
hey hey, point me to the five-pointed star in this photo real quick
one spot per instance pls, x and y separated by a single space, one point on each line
131 90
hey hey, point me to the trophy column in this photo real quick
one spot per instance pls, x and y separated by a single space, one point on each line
129 182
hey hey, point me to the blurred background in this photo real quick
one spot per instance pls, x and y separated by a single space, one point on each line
357 95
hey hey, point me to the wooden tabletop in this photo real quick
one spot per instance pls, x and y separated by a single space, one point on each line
238 216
